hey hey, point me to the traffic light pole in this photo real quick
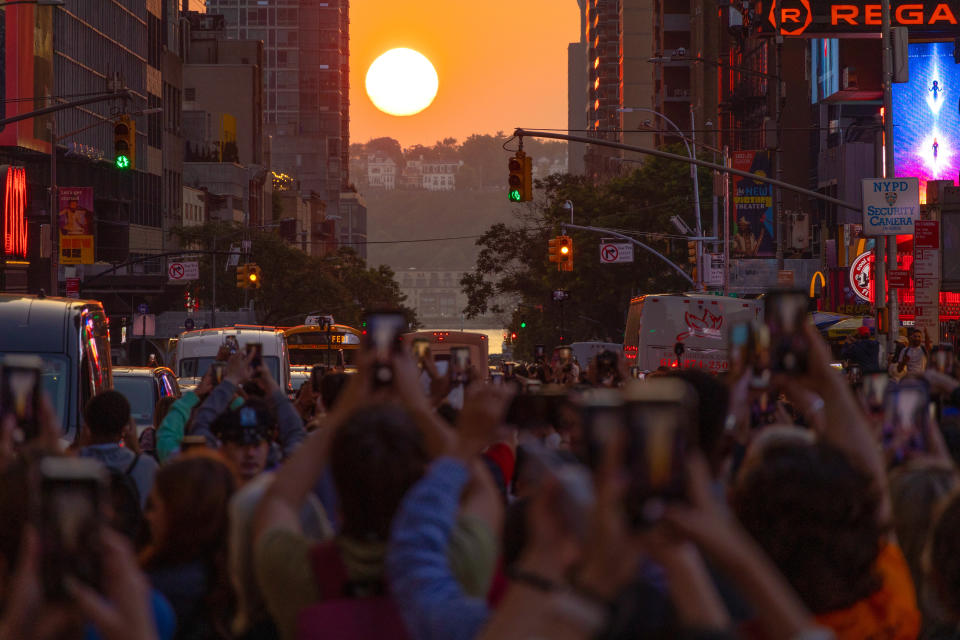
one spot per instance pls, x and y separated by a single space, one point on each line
617 234
528 133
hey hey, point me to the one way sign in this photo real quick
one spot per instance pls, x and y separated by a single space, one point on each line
613 252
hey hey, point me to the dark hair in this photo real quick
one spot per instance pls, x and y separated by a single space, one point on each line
816 516
944 559
196 520
375 457
331 384
107 413
249 423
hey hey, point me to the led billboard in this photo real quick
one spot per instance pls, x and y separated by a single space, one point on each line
926 120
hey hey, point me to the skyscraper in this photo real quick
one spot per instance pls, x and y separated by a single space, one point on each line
306 86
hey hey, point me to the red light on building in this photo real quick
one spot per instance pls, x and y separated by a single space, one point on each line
15 212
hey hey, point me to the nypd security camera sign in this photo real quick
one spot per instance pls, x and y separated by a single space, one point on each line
890 206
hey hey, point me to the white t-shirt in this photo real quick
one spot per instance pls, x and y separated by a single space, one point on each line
914 358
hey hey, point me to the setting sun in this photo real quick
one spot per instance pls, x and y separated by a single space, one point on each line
402 82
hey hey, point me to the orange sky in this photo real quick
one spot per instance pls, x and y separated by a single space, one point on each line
484 85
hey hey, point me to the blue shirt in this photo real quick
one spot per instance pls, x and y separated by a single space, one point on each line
431 601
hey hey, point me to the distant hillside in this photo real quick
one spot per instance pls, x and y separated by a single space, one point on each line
411 215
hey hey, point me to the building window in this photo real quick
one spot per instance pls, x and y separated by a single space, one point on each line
190 94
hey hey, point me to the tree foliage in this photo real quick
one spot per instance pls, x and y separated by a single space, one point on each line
293 283
512 263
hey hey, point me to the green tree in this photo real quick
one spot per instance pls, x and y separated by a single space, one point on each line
512 263
293 283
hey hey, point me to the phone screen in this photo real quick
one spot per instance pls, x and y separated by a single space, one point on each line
20 389
383 337
905 419
420 348
255 348
873 390
460 365
943 358
230 342
602 417
218 369
71 497
785 315
656 458
316 374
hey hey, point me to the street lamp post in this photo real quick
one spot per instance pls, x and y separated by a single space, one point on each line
693 176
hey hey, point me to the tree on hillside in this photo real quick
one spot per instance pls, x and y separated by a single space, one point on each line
513 258
387 146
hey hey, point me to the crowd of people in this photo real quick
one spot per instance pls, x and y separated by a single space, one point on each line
548 500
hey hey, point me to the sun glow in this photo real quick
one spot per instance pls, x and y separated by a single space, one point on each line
402 82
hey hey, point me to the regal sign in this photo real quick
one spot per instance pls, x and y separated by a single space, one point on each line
817 17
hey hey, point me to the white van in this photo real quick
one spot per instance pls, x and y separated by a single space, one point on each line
657 322
196 350
585 352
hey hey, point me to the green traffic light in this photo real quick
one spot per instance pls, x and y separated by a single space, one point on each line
514 195
523 325
122 162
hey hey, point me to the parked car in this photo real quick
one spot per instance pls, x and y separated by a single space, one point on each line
143 387
71 337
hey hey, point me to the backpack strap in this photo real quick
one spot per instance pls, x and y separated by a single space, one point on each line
329 570
133 464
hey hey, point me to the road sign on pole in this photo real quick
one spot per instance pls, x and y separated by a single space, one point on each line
182 271
614 252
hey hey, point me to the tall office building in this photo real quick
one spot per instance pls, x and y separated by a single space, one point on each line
306 86
577 94
639 64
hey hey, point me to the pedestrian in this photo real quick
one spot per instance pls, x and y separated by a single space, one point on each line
244 435
106 419
186 558
913 358
863 351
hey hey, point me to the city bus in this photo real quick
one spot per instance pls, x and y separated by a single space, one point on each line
441 342
331 345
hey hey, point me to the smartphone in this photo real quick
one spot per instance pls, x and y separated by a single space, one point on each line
538 406
785 314
602 416
564 354
873 390
383 338
420 348
539 352
218 369
574 500
508 369
660 415
943 357
21 386
854 375
71 498
905 418
255 348
316 375
230 342
460 365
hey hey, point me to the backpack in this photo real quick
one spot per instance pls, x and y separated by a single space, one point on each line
347 610
125 497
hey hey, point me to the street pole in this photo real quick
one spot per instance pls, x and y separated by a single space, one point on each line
726 222
778 157
889 170
694 173
54 213
213 286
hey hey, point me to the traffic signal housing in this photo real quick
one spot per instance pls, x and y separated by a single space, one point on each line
553 249
565 253
691 252
249 276
520 181
125 143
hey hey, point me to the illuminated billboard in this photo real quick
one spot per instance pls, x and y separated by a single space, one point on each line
926 121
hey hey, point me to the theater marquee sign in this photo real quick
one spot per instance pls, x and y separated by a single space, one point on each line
809 18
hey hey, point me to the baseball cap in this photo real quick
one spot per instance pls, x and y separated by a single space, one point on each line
247 424
863 332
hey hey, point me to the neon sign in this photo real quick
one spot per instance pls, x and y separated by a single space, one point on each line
808 17
15 212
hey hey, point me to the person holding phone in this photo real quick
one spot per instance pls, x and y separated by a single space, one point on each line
106 418
913 357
